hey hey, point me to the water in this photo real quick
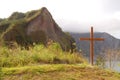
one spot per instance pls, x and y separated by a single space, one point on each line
115 65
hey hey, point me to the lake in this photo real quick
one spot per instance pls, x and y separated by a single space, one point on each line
115 65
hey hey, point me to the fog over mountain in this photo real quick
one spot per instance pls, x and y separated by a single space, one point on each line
110 42
73 15
110 26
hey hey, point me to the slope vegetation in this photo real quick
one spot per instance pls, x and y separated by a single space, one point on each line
37 26
58 72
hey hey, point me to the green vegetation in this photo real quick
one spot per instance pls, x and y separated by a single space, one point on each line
58 72
16 26
17 17
17 31
32 14
42 61
26 29
1 19
38 59
39 54
48 63
40 68
100 61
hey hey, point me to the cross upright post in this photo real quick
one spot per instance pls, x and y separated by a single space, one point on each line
91 46
92 39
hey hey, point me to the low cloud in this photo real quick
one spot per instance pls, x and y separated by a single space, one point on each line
111 26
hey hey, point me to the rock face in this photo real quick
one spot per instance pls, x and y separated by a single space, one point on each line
38 28
43 26
110 42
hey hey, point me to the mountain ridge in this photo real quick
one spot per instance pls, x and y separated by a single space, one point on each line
110 42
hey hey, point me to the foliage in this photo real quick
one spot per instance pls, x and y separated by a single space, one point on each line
1 19
32 14
40 68
17 31
4 24
38 54
15 26
1 73
59 72
100 62
16 16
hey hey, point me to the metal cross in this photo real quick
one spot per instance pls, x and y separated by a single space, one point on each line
92 39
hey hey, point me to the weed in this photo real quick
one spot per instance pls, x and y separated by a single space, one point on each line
38 54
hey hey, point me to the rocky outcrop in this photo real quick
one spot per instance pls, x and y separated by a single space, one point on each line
38 27
44 24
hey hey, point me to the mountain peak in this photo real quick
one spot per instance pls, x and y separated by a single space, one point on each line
44 8
37 26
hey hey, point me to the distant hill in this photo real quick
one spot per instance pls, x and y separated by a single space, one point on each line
110 42
37 26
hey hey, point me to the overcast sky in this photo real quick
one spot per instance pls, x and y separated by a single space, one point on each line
73 15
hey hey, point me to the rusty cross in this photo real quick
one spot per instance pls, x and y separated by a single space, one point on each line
92 39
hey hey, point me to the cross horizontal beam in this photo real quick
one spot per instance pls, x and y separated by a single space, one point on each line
96 39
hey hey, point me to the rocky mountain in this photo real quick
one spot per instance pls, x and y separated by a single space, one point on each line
110 42
37 26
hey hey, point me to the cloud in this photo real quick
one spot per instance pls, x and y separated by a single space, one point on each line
116 15
72 15
111 26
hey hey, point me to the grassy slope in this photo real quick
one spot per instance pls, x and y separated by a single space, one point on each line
39 54
51 63
58 72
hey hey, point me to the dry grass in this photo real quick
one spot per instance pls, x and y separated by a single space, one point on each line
59 72
38 55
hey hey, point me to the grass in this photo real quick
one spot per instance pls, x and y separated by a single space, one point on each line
39 68
58 72
38 54
48 63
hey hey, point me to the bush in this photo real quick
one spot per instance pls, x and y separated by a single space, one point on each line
16 15
39 54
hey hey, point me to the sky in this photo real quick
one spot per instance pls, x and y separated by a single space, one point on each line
73 15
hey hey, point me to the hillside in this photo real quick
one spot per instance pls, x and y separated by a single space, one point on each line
58 72
34 47
34 27
110 42
41 63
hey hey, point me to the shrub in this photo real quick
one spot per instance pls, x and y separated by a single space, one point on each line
39 54
16 15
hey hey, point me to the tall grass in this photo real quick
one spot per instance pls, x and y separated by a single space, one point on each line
38 54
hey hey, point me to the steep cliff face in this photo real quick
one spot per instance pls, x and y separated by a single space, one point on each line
45 25
40 27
